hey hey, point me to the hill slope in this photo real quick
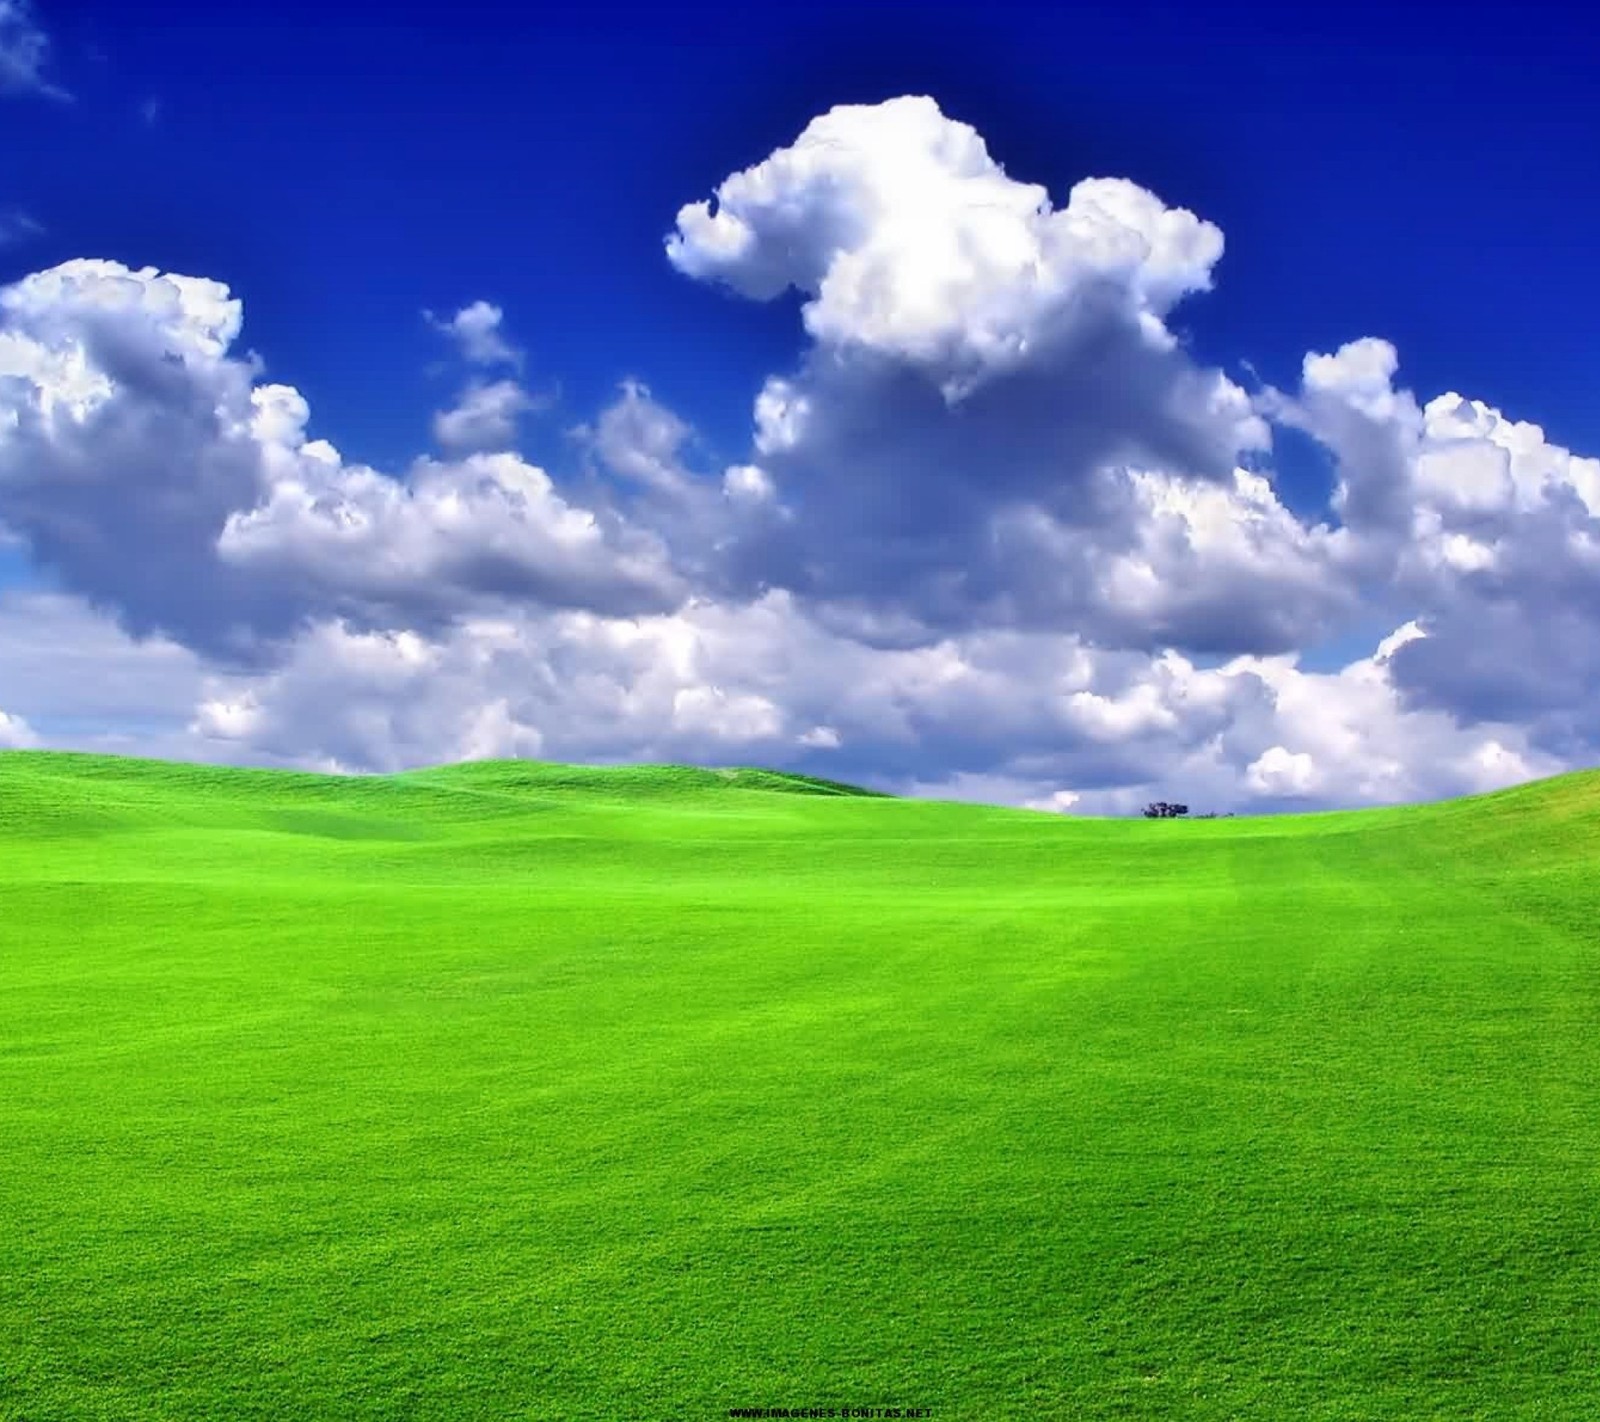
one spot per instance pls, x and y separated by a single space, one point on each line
514 1089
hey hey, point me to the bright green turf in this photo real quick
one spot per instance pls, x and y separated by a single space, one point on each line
509 1090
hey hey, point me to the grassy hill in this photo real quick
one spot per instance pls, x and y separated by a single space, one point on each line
516 1090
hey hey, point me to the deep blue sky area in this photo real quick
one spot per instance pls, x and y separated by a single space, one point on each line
1425 175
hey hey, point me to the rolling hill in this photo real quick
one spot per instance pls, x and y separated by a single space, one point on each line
514 1089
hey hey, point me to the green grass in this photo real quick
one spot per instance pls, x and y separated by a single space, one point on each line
511 1090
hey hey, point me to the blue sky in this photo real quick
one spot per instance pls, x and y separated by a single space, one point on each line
1424 180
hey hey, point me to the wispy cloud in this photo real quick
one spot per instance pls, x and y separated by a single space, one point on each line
17 227
24 53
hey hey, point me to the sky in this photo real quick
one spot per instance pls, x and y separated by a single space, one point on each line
1055 407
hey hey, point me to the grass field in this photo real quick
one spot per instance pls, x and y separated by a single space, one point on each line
520 1091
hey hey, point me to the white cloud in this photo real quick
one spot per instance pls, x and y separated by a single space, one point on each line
1360 374
454 534
1277 771
484 420
781 413
1476 528
15 733
1017 718
747 483
1494 767
1058 802
126 426
1397 639
238 719
642 441
986 535
992 408
1029 719
475 330
1120 719
711 711
910 240
125 440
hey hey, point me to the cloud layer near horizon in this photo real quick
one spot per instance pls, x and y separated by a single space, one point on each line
996 534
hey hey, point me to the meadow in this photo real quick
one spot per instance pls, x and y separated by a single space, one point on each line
517 1090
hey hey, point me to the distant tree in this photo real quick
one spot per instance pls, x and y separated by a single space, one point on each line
1161 810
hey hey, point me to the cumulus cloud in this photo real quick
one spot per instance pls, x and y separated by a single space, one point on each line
490 526
485 415
1484 533
485 419
142 463
992 423
1030 719
125 440
1038 720
1277 771
910 241
476 334
997 535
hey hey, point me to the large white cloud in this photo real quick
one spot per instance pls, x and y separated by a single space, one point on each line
126 441
988 533
1029 718
488 526
1476 526
147 469
993 425
909 240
